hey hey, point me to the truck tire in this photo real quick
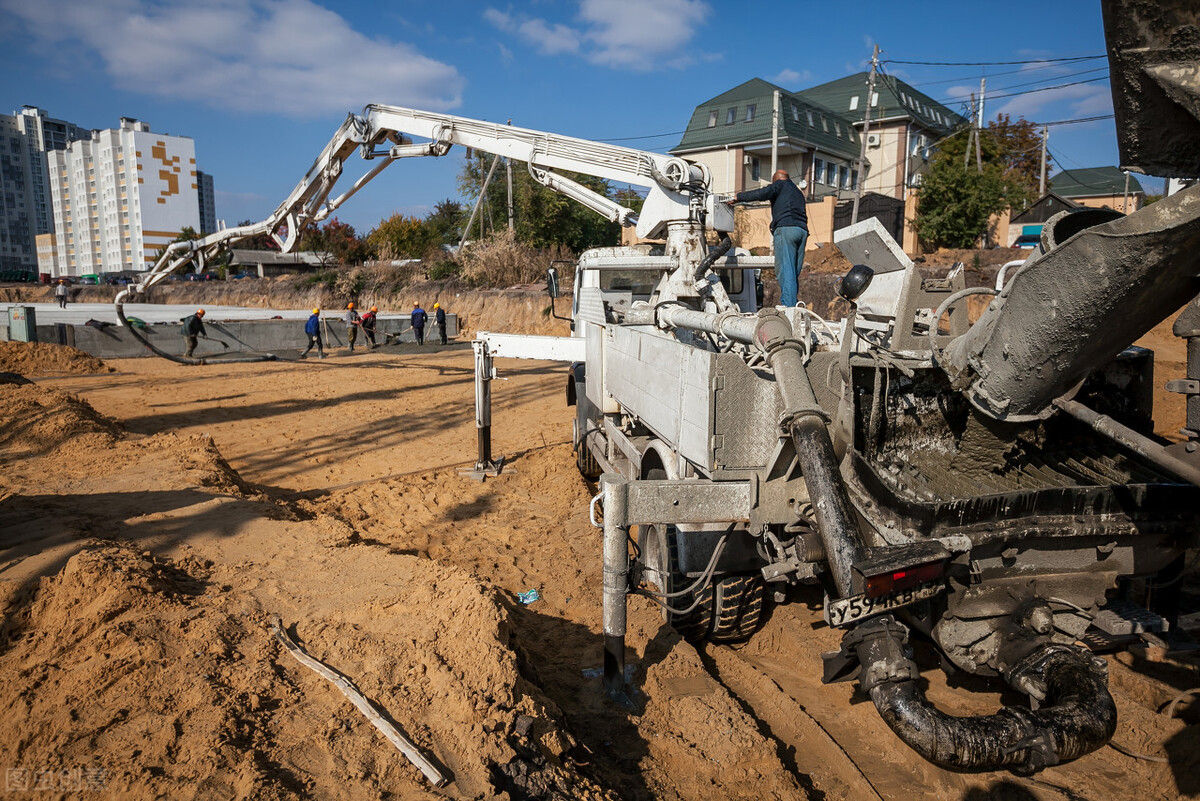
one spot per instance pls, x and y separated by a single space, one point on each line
589 468
730 607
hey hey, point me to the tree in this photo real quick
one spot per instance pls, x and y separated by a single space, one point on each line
956 201
401 237
339 240
544 218
446 221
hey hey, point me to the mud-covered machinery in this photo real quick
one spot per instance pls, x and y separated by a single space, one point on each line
994 488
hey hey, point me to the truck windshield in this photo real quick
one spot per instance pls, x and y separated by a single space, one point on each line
638 282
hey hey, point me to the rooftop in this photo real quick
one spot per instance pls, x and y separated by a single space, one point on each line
894 99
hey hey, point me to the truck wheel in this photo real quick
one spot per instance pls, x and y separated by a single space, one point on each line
589 468
729 608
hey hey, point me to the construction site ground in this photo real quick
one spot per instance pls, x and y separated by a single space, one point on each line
154 520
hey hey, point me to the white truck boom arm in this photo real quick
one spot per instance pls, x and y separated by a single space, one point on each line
678 188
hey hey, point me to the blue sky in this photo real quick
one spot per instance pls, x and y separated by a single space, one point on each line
261 85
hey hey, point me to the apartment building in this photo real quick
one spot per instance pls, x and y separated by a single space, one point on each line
119 196
208 204
25 138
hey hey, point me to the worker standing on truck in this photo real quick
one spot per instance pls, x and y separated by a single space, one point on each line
193 327
353 321
789 229
313 329
418 318
60 293
368 326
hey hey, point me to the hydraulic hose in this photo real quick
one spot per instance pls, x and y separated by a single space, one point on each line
120 306
1077 716
711 258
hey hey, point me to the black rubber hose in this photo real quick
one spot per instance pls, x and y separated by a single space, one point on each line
714 254
265 357
1078 715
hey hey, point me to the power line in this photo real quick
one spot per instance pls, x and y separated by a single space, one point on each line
998 74
648 136
1078 119
961 98
993 63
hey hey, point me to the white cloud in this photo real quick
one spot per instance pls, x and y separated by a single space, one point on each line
622 34
789 77
282 56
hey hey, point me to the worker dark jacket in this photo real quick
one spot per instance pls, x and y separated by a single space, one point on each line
418 317
193 326
787 203
439 316
368 321
313 326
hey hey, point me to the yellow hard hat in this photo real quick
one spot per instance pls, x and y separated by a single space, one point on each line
437 305
374 309
349 305
199 312
316 311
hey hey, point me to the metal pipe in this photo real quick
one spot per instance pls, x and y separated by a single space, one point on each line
1077 717
615 491
1123 435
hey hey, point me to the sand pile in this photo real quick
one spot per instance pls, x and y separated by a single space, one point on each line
36 419
138 672
41 358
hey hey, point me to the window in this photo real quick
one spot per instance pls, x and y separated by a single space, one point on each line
795 113
712 118
854 103
854 179
732 280
875 98
808 114
824 124
731 116
750 112
755 168
843 177
837 129
818 171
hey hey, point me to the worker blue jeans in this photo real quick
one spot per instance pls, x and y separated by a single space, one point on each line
789 241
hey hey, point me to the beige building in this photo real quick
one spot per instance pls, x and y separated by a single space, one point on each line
120 196
1100 188
47 254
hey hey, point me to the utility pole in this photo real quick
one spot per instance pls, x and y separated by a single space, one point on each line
1042 181
862 150
479 202
971 133
979 127
508 169
775 135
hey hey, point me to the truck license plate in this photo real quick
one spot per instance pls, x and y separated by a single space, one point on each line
845 611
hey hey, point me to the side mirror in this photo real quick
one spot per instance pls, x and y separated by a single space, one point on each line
855 282
552 282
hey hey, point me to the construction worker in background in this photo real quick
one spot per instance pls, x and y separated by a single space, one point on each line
60 293
439 319
313 329
193 327
353 321
418 318
368 326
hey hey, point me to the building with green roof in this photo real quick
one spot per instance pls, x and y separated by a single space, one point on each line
732 134
818 136
1100 187
905 125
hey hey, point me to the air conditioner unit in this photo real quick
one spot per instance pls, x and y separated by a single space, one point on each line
873 140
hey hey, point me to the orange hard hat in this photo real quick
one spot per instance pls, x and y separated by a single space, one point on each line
349 305
199 312
316 311
374 309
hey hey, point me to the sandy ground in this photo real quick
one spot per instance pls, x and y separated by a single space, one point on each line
154 519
